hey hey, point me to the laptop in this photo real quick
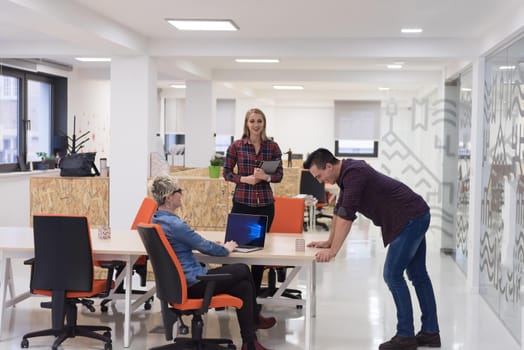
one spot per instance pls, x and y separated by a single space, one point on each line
249 231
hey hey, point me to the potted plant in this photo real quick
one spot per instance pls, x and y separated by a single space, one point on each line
46 161
215 167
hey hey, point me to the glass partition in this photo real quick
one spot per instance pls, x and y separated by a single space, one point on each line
501 237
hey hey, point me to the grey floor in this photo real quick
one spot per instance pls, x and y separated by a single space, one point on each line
354 309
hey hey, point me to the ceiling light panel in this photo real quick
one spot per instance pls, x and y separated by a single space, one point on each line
93 59
411 30
288 87
203 24
257 60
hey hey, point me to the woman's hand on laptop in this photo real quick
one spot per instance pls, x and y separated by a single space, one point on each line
230 246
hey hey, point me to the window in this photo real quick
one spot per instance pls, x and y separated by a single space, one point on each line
33 117
356 148
357 125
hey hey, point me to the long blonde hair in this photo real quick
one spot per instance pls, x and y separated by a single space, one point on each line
263 135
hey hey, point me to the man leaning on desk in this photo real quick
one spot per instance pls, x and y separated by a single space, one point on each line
404 219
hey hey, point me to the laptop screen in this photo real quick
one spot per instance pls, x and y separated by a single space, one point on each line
246 229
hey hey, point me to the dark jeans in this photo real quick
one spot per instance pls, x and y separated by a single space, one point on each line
256 270
408 253
241 286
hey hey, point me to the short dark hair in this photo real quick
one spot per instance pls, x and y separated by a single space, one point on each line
320 158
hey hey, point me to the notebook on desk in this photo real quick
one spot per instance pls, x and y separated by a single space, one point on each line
249 231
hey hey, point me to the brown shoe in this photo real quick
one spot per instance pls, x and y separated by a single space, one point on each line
265 322
255 345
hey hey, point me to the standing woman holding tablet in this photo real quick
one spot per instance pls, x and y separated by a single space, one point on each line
253 194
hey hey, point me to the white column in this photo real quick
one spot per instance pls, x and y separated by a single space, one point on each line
199 123
475 190
133 124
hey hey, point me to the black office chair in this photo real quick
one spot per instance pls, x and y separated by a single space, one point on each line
310 185
63 269
171 290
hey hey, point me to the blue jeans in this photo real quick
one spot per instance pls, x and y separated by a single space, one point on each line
407 253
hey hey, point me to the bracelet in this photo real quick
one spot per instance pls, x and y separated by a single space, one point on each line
269 178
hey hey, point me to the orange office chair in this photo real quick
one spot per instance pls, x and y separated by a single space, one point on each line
289 218
145 213
171 290
63 269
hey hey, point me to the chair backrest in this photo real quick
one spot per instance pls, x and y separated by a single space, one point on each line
289 215
170 280
310 185
63 255
145 212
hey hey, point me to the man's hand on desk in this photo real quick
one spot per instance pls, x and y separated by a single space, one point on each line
230 246
319 244
324 256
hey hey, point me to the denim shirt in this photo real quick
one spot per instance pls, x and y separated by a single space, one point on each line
184 240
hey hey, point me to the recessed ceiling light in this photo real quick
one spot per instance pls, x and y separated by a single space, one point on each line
394 66
465 89
411 30
203 24
257 60
178 86
93 59
506 67
288 87
383 88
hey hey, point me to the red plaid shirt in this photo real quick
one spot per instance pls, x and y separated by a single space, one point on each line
241 153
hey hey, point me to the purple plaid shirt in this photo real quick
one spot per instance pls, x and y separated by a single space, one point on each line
241 153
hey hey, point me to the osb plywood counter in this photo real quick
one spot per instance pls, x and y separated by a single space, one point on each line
87 196
205 201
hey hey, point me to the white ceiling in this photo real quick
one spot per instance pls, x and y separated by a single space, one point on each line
332 47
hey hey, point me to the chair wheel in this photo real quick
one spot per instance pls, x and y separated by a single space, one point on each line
24 344
183 329
299 307
108 346
147 305
231 347
103 308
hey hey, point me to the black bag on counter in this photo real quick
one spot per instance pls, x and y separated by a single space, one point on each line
79 164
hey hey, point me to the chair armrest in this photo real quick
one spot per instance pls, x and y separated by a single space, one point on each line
110 266
210 281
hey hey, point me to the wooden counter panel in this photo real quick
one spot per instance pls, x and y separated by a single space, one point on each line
205 202
87 196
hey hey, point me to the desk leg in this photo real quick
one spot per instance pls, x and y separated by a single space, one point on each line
311 211
3 289
313 295
127 313
309 303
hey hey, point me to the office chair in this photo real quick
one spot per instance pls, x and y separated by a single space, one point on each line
171 290
63 269
289 218
145 213
310 185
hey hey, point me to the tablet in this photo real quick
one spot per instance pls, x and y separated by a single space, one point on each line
270 166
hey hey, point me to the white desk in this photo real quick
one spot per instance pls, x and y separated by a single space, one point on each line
124 245
279 249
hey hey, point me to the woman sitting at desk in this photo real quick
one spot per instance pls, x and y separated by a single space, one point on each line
184 240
